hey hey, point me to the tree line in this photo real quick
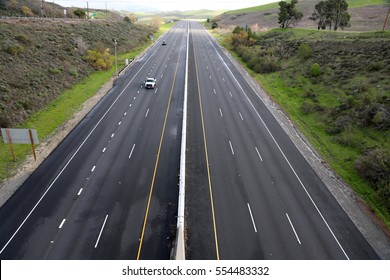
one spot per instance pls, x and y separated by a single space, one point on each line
327 13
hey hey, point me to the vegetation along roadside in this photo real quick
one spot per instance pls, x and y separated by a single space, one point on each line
47 82
336 88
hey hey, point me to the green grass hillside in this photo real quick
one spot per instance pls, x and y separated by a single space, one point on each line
336 88
301 3
44 74
365 16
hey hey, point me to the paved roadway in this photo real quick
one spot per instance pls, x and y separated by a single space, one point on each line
250 193
109 191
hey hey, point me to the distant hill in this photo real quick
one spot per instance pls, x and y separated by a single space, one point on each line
179 15
366 15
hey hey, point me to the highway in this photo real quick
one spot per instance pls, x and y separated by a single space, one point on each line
259 197
110 189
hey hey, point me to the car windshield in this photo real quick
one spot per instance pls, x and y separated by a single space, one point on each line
150 80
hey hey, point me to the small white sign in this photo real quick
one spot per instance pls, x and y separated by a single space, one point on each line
19 135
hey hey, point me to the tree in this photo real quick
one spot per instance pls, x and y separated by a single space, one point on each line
79 13
27 11
130 18
339 15
288 14
156 22
332 13
321 13
214 25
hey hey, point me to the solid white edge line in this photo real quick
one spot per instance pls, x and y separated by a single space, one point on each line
253 220
292 226
74 154
288 162
132 149
62 223
258 153
101 231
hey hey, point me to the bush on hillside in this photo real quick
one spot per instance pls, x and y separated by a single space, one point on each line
100 60
305 51
315 70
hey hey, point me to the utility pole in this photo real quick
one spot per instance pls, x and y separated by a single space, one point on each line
116 61
41 8
387 17
87 10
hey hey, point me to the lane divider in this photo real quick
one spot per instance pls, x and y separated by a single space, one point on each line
179 253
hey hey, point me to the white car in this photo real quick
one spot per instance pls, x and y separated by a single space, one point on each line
150 83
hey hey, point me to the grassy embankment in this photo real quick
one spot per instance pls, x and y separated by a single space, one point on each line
57 112
336 109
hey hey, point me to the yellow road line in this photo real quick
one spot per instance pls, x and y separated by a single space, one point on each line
158 157
207 160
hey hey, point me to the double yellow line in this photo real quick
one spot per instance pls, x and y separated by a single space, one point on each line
158 157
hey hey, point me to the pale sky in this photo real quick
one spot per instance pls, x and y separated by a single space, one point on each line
163 5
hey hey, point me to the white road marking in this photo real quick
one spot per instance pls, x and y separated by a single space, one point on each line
104 150
112 135
253 220
156 90
292 226
62 223
135 97
80 191
132 149
165 65
162 75
215 92
130 105
258 153
125 114
147 112
101 230
93 168
119 123
223 79
210 77
241 116
231 147
230 94
138 91
281 151
220 111
72 157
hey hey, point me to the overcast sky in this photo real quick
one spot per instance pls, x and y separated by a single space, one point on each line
163 5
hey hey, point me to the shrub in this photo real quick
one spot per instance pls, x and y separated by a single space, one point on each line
315 70
305 51
267 64
214 25
374 165
22 38
15 49
73 72
101 60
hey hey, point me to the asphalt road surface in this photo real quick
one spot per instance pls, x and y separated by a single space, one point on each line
250 193
110 189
